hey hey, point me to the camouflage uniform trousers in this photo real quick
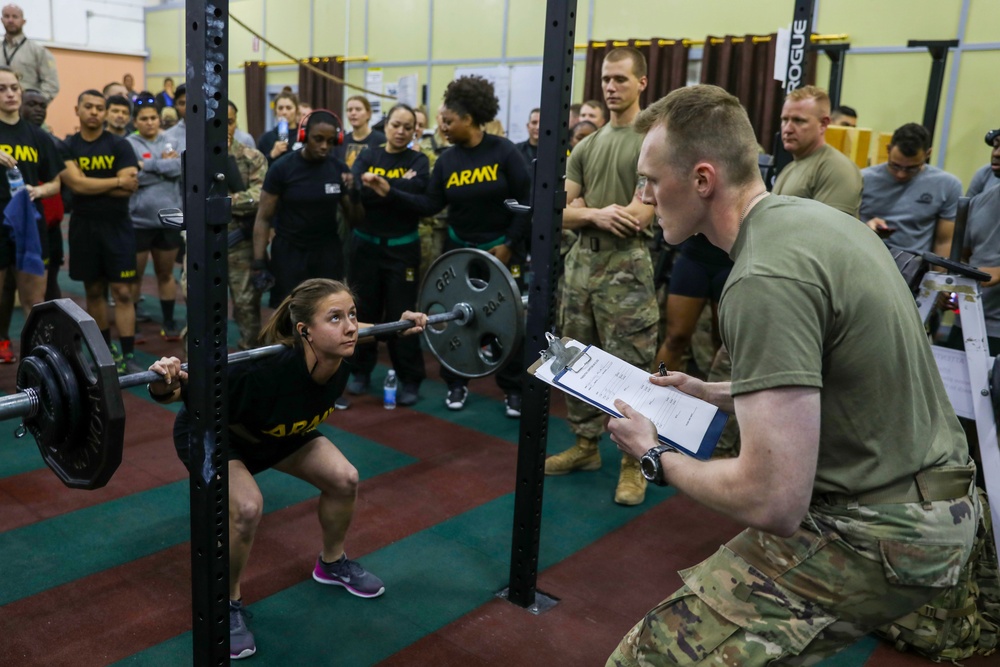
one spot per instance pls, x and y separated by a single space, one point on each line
768 600
433 232
608 300
245 298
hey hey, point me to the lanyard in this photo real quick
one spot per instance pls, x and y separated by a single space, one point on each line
10 57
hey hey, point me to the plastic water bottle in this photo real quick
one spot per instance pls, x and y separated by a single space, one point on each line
282 129
168 147
389 390
15 180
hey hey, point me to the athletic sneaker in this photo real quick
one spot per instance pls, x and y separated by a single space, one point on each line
241 643
408 395
342 403
129 366
7 355
359 384
141 316
512 405
170 332
116 353
349 574
456 397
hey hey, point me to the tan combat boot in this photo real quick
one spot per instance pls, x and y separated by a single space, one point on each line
584 455
631 484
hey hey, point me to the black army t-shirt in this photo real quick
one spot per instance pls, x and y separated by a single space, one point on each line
274 406
309 195
35 152
352 148
473 183
102 158
383 216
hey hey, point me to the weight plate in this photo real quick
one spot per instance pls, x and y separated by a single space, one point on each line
49 423
69 388
493 333
87 456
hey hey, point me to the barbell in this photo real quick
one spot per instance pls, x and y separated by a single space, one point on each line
70 396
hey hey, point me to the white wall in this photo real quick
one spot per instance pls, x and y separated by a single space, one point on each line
113 26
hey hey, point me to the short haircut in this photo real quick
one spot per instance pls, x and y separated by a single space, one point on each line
32 91
534 111
472 96
575 108
90 92
596 104
910 139
620 53
120 101
845 110
180 91
167 79
811 93
705 123
168 112
232 105
359 98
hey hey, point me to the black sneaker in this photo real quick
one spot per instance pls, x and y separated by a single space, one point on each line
241 642
512 404
171 332
141 316
456 397
408 395
359 384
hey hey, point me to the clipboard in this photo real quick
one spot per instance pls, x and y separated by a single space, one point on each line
684 423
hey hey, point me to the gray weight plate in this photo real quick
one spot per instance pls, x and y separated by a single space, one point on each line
483 344
88 456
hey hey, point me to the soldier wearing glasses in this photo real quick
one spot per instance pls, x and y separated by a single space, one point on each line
907 202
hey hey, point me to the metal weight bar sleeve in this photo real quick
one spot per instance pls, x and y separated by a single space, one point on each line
21 404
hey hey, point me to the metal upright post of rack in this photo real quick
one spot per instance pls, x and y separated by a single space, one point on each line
837 54
206 217
939 57
547 203
795 71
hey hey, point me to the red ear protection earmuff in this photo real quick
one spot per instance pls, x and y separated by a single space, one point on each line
338 136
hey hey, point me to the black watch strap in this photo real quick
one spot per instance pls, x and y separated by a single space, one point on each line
651 467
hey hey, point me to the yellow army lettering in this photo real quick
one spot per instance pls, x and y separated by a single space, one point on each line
127 274
484 174
281 430
388 173
21 153
97 162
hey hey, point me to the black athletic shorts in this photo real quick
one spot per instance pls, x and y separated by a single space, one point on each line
8 251
256 457
157 239
291 264
699 280
101 251
56 251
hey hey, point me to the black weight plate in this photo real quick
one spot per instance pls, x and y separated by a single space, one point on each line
483 344
49 422
68 386
88 456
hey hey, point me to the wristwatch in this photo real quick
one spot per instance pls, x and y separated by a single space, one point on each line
650 466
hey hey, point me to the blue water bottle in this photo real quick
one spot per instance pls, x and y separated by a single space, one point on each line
389 390
15 180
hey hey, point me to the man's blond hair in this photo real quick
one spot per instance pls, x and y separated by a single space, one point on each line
811 93
705 123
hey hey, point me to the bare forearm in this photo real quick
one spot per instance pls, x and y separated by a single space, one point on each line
575 217
719 394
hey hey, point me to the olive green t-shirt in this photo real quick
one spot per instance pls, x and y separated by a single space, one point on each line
605 164
826 175
814 299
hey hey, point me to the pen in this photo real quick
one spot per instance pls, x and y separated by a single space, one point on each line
663 368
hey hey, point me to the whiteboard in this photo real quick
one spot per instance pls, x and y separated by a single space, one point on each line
519 90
